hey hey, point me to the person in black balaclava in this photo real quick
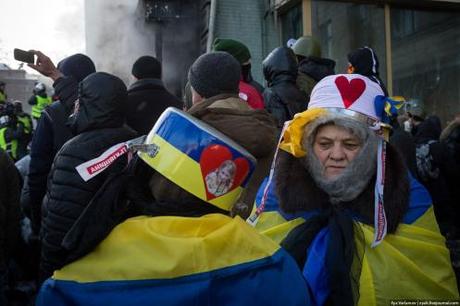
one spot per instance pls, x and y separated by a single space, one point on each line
364 61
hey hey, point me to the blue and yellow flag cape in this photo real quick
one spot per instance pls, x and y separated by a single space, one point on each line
412 264
210 260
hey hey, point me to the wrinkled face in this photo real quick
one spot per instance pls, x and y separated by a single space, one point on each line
335 147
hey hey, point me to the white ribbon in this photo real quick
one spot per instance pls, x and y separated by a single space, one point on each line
252 220
380 219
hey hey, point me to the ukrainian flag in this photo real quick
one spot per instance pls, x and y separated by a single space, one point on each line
413 263
210 260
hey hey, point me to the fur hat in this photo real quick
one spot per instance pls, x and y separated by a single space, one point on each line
215 73
354 102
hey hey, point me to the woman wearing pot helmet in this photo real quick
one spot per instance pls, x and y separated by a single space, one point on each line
360 228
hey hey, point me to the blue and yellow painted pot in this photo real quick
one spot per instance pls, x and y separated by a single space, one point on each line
198 158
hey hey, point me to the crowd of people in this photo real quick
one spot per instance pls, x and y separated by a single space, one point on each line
318 189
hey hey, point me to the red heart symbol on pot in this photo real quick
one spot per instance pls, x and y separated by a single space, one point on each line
350 90
221 173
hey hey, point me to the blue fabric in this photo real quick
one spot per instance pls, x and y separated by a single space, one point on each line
271 202
185 135
267 281
419 201
315 271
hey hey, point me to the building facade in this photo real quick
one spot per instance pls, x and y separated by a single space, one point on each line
417 43
19 85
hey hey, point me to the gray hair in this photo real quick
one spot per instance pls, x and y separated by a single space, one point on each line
357 175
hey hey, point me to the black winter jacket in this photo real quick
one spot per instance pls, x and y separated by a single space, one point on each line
427 133
311 71
147 99
9 208
99 125
50 135
282 97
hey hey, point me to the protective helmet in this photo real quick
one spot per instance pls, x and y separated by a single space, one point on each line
39 88
415 107
9 109
198 158
4 120
291 42
17 105
2 83
307 46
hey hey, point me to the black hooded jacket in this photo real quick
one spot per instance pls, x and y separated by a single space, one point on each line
147 99
52 132
312 70
98 124
317 68
282 97
440 162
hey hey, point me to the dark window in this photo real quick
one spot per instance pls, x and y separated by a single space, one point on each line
343 27
426 59
291 24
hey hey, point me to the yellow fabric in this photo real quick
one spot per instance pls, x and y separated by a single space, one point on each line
168 247
10 147
292 138
2 97
186 173
42 103
25 120
414 263
273 225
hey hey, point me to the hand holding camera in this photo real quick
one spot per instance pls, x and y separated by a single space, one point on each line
42 63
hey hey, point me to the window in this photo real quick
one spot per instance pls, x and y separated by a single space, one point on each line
426 61
326 35
343 27
291 24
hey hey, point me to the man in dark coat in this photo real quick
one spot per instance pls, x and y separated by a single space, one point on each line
98 123
9 216
282 97
147 97
52 130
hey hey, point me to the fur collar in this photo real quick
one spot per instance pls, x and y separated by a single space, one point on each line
297 191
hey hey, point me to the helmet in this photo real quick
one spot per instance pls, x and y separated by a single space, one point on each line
17 105
39 88
9 109
307 46
4 120
198 159
415 107
2 83
291 42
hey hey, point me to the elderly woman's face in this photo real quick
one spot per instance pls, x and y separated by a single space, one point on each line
335 148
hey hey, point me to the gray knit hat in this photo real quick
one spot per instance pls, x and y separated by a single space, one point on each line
215 73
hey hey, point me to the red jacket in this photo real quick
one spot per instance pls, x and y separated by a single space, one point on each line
249 94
